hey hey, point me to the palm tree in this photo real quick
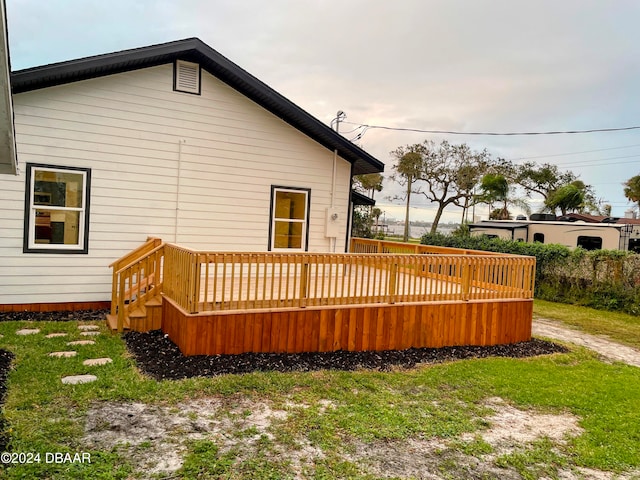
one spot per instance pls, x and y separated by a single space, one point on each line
632 189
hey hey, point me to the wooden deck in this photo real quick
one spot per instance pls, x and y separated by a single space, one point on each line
351 328
231 302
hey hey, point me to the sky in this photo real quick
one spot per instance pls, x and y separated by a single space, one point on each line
455 65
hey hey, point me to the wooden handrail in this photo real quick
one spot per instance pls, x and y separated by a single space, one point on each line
205 281
367 245
151 243
137 277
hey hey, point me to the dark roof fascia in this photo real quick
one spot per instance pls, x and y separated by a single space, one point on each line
359 199
193 49
504 226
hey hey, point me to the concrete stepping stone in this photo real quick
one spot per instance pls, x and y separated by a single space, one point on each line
28 331
87 328
55 335
89 334
97 361
82 342
77 379
71 353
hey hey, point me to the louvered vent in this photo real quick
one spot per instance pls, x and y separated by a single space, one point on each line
187 77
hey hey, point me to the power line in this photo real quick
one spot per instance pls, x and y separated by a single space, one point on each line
575 153
453 132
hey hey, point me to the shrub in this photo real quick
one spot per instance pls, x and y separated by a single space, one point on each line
603 279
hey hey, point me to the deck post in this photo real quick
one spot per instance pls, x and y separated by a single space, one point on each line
120 321
393 282
466 280
304 282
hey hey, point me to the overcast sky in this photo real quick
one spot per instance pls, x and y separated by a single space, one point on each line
462 65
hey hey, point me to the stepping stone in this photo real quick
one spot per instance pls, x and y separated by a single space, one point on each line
88 327
97 361
71 353
89 334
28 331
82 342
55 335
77 379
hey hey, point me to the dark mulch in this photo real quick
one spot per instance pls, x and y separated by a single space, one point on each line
160 358
6 358
63 316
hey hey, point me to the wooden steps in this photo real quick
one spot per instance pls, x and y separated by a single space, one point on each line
143 319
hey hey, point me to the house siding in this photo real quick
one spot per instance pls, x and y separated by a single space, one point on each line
194 170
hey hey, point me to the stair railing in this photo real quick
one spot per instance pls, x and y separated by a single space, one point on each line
137 277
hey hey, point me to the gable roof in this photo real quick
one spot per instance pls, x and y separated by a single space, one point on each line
194 50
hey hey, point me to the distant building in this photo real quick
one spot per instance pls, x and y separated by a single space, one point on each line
590 232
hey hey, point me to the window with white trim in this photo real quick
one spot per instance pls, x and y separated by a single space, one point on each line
56 209
289 218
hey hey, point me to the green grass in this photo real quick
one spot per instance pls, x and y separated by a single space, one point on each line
621 327
327 410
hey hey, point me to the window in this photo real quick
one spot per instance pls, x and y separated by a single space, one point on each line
538 237
289 218
590 243
56 209
186 77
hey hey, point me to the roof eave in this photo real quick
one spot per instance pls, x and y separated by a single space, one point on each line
216 64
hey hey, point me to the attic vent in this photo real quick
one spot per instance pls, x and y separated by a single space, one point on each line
186 77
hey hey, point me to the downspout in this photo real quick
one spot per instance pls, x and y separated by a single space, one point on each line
175 232
333 190
350 207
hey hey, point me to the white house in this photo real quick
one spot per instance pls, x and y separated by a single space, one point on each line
8 160
173 141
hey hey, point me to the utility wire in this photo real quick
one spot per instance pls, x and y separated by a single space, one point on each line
575 153
452 132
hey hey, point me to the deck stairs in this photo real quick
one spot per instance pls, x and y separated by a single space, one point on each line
136 295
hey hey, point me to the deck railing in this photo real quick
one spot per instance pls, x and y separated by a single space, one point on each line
209 281
367 245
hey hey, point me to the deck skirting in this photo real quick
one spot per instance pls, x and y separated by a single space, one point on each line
349 327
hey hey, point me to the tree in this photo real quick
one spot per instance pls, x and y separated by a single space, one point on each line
566 198
450 173
368 183
408 170
542 179
375 213
574 197
495 188
632 189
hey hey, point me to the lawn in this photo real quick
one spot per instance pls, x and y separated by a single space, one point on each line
447 419
620 327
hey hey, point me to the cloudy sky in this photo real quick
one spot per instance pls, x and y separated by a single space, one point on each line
458 65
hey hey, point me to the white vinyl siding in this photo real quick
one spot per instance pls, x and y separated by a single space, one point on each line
195 170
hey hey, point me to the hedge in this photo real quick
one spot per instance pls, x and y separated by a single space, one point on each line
603 279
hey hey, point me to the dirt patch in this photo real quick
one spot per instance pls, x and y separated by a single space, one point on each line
156 437
511 428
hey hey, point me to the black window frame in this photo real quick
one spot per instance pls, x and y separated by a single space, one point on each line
589 242
84 247
538 237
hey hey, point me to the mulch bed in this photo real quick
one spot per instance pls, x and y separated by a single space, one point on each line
158 357
6 358
63 316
